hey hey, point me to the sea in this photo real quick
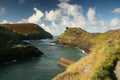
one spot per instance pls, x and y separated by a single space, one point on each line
44 67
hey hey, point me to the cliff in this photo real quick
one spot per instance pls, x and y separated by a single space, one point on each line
79 38
11 45
99 64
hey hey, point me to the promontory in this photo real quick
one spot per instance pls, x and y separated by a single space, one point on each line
12 47
103 51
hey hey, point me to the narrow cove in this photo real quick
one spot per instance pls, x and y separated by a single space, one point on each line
40 68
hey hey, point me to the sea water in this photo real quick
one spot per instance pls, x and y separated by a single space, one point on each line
40 68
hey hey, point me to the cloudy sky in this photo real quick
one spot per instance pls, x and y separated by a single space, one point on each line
55 15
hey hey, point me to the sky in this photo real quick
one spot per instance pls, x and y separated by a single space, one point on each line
55 15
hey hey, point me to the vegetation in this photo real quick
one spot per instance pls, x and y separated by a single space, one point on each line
99 64
28 31
11 45
82 39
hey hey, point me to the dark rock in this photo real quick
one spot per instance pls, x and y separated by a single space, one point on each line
19 52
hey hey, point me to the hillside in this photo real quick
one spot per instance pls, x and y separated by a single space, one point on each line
28 31
99 64
81 39
7 37
11 45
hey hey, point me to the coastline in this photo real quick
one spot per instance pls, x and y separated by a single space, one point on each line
83 51
101 57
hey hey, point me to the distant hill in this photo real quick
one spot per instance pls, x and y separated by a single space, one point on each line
28 31
103 51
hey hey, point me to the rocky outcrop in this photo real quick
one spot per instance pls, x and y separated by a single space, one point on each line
64 62
104 53
18 52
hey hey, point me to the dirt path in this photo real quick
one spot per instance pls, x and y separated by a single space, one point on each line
117 70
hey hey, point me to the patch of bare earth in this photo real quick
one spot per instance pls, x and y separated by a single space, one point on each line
117 70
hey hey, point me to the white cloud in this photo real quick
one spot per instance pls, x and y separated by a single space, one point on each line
94 23
44 27
70 10
65 15
6 22
117 10
70 15
2 10
35 18
115 22
52 15
91 14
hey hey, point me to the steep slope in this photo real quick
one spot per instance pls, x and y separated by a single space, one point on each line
104 49
28 31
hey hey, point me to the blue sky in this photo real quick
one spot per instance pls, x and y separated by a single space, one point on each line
55 15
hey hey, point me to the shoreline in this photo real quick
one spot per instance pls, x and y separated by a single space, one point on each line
83 51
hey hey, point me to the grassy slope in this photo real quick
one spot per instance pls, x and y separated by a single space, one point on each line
100 63
82 39
28 31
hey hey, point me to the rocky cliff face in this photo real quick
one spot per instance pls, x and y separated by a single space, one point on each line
11 45
104 52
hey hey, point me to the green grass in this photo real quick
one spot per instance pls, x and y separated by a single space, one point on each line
28 31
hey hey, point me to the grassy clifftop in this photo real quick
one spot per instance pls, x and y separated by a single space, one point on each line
82 39
99 64
28 31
